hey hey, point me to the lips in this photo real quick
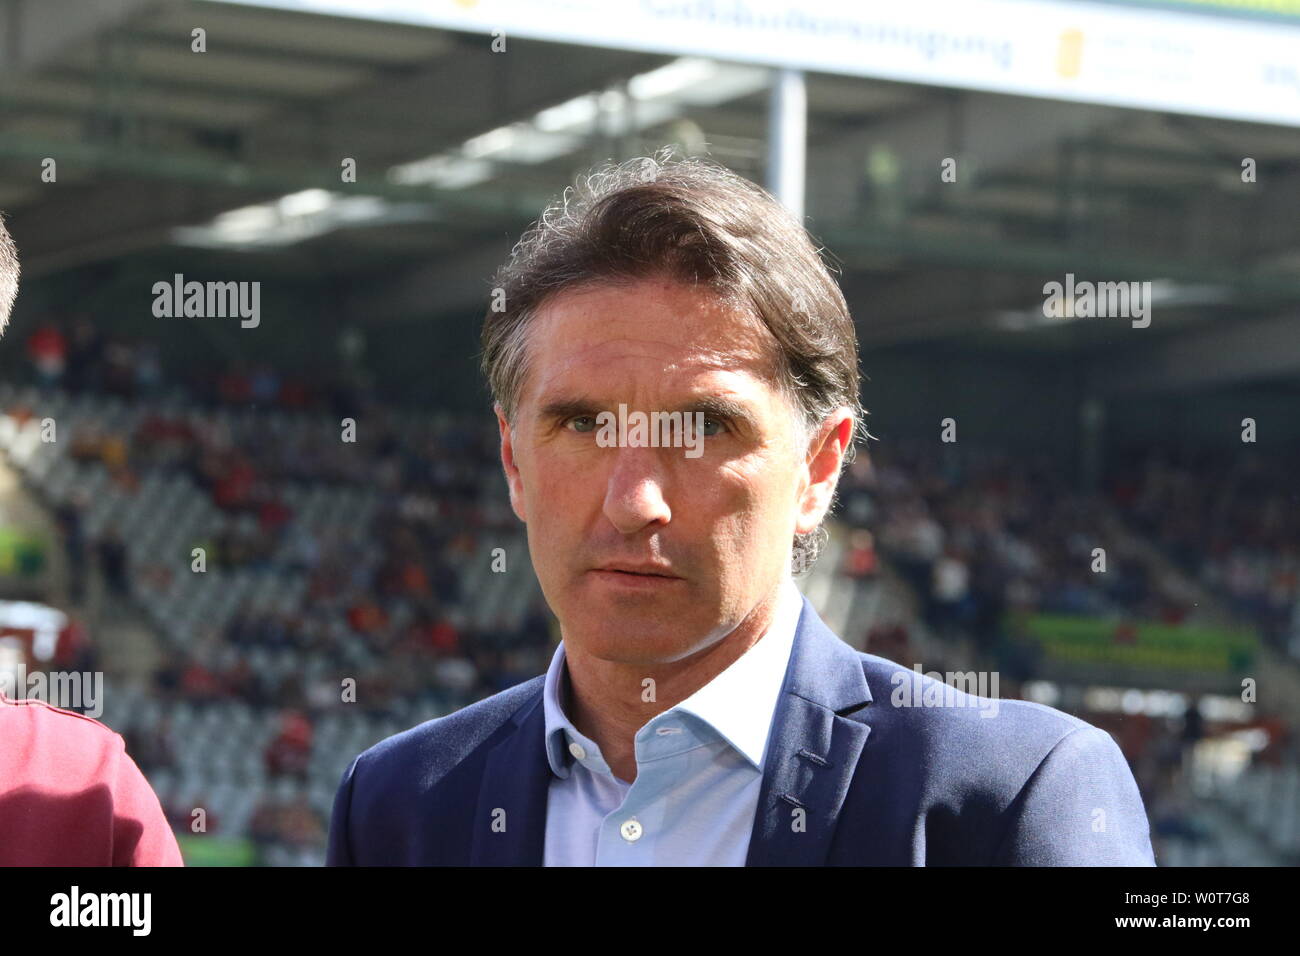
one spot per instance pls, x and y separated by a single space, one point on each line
647 570
636 576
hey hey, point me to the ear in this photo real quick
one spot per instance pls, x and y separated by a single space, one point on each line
825 455
513 479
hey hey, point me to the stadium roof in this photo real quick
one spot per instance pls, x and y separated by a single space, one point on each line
237 151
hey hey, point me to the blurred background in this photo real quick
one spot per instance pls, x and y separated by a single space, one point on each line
953 158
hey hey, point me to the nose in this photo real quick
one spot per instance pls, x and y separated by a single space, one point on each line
634 492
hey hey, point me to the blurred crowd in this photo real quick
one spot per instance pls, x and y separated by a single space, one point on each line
1233 521
396 583
979 533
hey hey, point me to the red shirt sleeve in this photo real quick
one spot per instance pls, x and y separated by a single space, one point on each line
70 795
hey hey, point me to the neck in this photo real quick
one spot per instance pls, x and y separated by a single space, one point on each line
605 699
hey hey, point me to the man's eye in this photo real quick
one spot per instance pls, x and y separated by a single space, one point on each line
712 427
582 423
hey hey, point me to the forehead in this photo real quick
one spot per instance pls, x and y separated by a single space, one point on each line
656 328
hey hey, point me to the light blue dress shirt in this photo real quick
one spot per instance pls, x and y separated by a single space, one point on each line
699 767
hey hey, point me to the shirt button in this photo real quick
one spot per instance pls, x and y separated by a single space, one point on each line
631 830
577 750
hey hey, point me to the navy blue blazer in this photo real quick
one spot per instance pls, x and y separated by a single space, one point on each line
856 774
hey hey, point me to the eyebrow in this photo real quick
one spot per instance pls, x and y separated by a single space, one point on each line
711 406
566 408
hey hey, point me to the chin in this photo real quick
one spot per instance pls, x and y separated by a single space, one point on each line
632 635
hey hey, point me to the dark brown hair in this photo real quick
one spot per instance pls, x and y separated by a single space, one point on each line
697 222
8 275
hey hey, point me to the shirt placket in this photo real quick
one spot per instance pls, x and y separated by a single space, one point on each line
634 834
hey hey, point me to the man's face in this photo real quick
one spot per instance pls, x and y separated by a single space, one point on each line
715 529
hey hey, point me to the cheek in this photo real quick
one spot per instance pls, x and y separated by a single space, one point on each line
560 494
543 481
749 500
539 472
544 512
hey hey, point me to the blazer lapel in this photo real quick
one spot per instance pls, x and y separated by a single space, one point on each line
812 750
510 819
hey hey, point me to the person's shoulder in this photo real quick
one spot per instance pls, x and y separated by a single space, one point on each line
437 745
70 777
965 743
995 780
961 711
78 745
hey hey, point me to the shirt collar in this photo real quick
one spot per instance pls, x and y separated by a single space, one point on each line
738 704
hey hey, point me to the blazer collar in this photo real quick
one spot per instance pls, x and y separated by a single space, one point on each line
816 737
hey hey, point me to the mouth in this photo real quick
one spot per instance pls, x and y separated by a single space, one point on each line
628 575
